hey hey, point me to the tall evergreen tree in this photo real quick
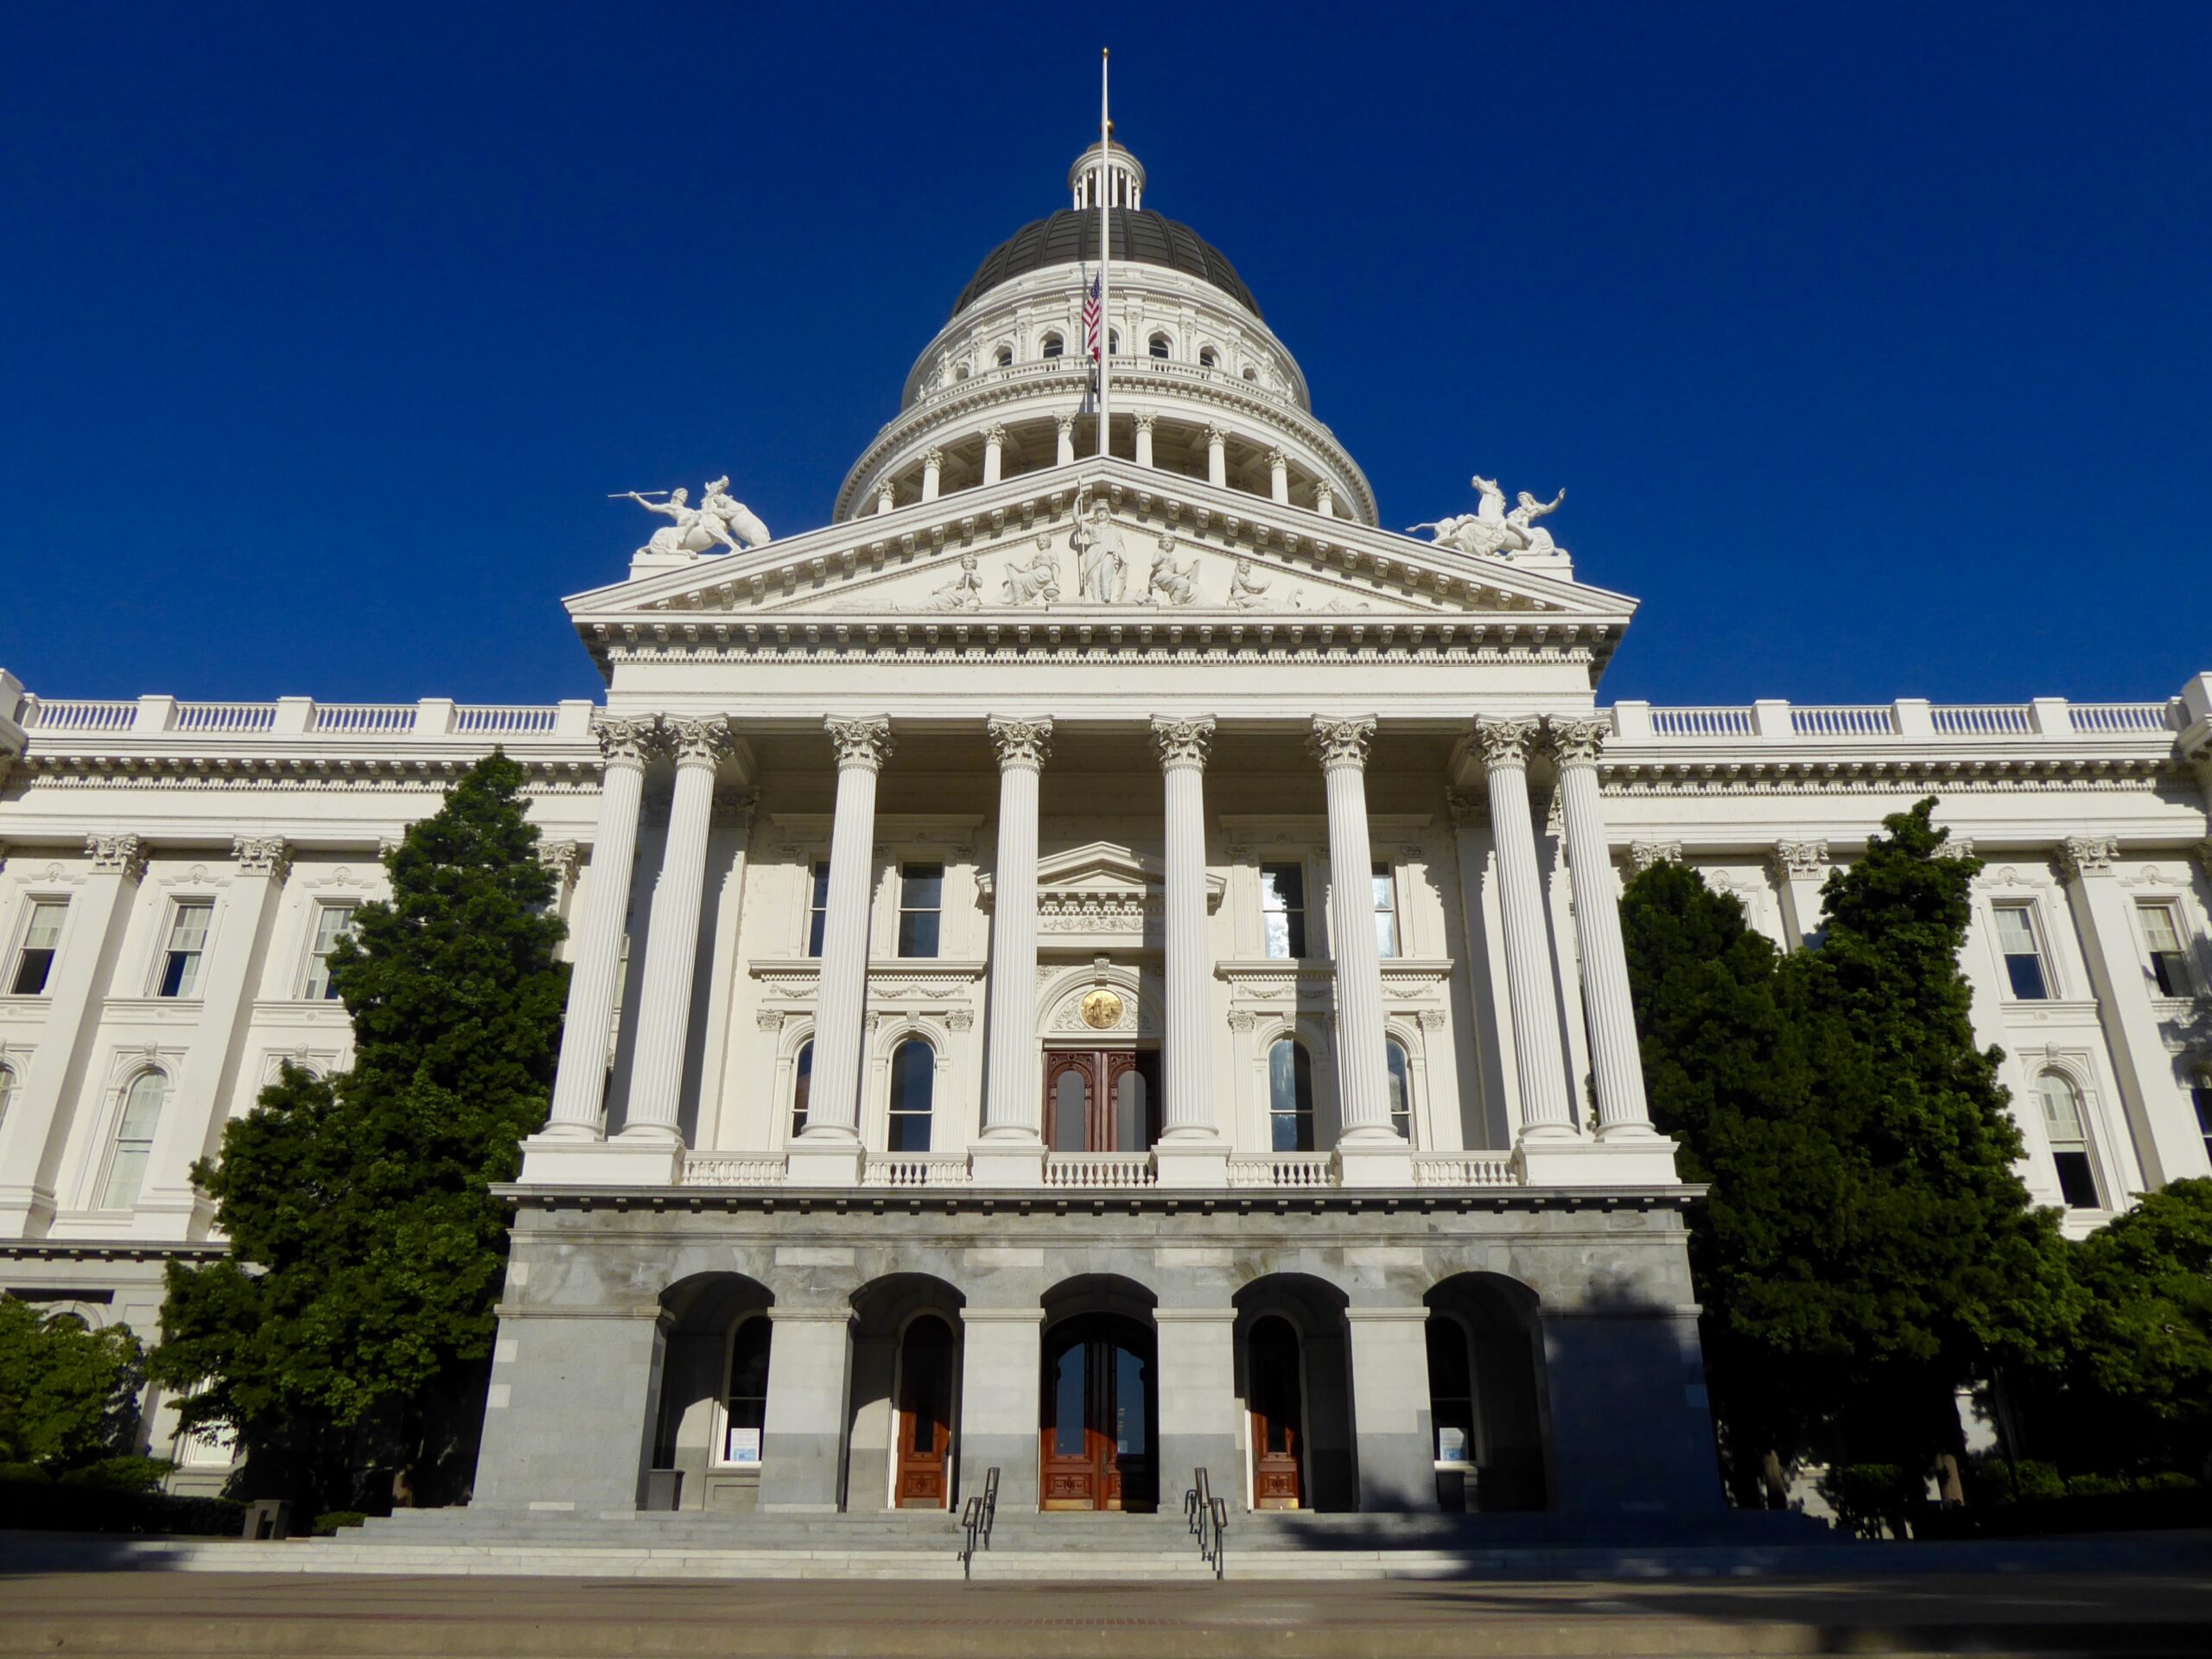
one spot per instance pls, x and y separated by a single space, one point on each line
347 1334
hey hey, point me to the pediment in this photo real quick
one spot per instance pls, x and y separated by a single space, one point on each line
1035 551
1101 873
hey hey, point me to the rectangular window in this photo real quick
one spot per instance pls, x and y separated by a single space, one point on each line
2023 953
921 905
40 938
2202 1094
332 923
1282 910
2168 962
187 945
1386 912
818 910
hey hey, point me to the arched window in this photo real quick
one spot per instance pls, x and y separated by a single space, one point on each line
746 1401
1401 1090
1158 346
2070 1140
1209 358
134 1140
914 1083
802 1086
1004 357
1290 1096
1054 345
1251 373
1113 342
960 373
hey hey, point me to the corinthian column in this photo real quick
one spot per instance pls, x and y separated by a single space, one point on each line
1012 1083
994 454
672 936
1363 1067
1192 1153
828 1148
1614 1064
1545 1110
580 1086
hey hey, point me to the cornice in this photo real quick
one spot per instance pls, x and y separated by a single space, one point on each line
173 769
1767 774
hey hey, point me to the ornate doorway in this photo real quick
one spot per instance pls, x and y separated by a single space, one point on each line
1102 1099
1278 1406
924 1468
1098 1447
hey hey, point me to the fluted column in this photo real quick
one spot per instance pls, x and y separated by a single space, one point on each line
1616 1066
1065 426
580 1085
1144 425
1278 477
1012 1083
1216 457
833 1103
1186 1104
932 471
1546 1112
672 937
994 454
1363 1067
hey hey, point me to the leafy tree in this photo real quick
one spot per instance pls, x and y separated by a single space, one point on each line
1866 1249
68 1395
347 1334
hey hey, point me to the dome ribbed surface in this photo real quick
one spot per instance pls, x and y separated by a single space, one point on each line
1140 237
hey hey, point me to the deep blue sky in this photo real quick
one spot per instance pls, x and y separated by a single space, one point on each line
1870 341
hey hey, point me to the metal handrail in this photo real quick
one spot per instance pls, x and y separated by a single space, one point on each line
1208 1516
1220 1533
1195 1499
976 1518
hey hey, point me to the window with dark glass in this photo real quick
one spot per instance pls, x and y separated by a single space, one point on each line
921 906
187 945
41 937
802 1085
1054 346
1209 358
2023 953
2168 962
914 1082
1004 357
817 909
1450 1392
746 1402
1158 346
1401 1090
2069 1141
2202 1095
1290 1096
1386 912
1282 909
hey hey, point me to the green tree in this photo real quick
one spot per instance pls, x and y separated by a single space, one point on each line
68 1395
347 1334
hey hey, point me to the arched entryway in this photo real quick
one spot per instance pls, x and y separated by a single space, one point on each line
906 1394
1293 1377
713 1393
1485 1393
1098 1430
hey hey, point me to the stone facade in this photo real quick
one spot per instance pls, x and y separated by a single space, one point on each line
1090 964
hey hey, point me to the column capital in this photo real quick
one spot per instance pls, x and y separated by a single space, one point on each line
269 855
864 742
1799 858
1504 742
1278 457
123 856
1574 739
623 742
2082 856
1145 422
994 432
562 858
1642 855
1064 424
932 456
1469 807
696 742
1216 434
1340 742
1021 741
732 808
1183 742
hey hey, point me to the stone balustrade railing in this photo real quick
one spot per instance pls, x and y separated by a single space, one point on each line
1293 1169
1466 1169
1107 1171
432 717
916 1171
1100 1169
1907 718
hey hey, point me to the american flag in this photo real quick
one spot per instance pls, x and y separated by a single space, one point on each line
1091 319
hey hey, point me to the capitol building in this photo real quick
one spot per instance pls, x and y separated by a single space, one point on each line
1100 960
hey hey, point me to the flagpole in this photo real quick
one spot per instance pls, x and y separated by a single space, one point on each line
1105 244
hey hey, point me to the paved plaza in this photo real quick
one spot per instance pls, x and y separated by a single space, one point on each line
150 1615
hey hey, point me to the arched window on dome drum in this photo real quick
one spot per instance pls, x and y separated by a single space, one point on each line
1251 373
1004 357
1158 346
913 1084
1054 345
1209 358
134 1140
1113 342
1401 1090
1290 1096
2070 1140
802 1087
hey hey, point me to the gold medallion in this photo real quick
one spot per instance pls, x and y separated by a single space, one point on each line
1102 1010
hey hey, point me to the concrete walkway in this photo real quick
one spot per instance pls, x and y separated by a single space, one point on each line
156 1615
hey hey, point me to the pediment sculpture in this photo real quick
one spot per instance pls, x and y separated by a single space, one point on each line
719 521
1494 531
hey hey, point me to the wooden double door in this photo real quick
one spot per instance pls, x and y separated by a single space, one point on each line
1099 1441
923 1476
1274 1389
1101 1099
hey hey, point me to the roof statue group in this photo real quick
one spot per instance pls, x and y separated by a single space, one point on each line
718 520
1493 531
